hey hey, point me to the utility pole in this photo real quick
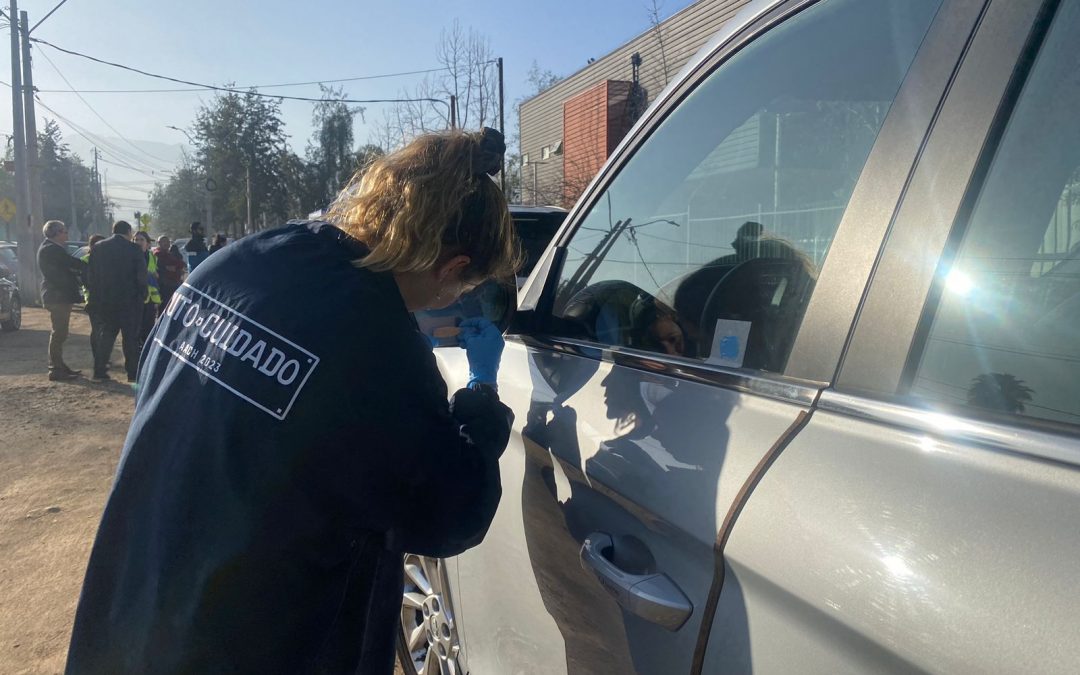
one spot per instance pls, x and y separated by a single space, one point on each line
23 235
247 171
37 208
453 111
502 123
95 185
74 224
105 199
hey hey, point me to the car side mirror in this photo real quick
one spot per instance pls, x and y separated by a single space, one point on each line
493 300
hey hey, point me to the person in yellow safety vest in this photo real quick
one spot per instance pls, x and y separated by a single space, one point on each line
153 294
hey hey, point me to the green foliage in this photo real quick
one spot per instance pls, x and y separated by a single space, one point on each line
62 173
241 136
330 152
179 202
238 136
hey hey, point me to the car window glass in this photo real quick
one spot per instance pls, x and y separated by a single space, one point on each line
1006 335
535 231
708 243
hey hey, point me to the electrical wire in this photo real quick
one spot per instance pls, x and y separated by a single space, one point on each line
232 90
101 141
250 86
103 120
150 170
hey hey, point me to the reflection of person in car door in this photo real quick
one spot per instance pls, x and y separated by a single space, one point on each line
292 436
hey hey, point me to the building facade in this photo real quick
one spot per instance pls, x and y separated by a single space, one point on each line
570 129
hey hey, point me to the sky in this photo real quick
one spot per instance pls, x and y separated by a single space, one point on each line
268 42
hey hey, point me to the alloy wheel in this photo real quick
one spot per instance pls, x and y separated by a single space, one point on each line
428 641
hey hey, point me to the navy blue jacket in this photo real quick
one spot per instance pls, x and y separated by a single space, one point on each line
291 439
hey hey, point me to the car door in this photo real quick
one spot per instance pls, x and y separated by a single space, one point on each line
653 376
924 519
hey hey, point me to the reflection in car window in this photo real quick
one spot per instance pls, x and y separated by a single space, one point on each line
1006 337
708 243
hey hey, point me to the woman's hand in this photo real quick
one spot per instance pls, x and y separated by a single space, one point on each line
483 344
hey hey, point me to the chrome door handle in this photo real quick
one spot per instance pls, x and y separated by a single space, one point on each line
653 597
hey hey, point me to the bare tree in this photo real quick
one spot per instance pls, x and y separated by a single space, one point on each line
468 75
653 8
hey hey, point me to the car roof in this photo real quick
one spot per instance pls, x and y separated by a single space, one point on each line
539 210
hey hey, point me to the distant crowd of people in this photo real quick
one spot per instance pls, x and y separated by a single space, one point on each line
127 283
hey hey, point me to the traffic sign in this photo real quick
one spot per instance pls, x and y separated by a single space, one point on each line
7 209
145 219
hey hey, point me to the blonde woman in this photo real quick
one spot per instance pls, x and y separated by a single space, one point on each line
293 436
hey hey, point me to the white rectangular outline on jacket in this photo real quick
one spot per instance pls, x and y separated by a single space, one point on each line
279 416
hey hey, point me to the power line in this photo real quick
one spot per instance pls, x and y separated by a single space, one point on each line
104 121
233 90
98 140
51 12
250 86
150 170
152 173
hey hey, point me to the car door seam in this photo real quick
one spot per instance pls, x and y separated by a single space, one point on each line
736 508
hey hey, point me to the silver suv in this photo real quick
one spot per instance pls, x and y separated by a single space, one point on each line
798 383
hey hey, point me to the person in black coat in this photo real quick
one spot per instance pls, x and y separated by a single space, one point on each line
116 281
293 437
63 276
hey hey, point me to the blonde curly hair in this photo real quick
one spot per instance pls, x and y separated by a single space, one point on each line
430 200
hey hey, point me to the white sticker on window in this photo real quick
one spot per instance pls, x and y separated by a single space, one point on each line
729 343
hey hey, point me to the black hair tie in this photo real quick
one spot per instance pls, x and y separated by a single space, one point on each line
487 156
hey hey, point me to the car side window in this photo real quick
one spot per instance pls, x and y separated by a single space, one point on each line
1005 334
708 242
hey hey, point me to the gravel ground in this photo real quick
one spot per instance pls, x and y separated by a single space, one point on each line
59 445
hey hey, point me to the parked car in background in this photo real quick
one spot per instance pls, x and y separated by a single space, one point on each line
797 385
75 247
536 226
10 303
11 256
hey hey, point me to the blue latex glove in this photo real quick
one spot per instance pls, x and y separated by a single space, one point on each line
483 344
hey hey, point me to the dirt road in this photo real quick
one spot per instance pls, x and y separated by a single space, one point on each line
59 445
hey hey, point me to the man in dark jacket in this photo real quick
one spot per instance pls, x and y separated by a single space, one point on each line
117 282
63 277
195 250
282 456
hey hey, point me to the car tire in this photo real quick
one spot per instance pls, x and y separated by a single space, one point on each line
428 641
14 321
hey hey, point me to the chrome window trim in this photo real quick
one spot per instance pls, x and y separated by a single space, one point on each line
1020 440
800 392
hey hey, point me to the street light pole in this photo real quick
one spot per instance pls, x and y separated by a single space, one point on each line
247 178
502 123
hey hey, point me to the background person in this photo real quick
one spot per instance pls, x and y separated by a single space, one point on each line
118 288
62 274
219 242
195 250
90 244
292 435
153 294
170 270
